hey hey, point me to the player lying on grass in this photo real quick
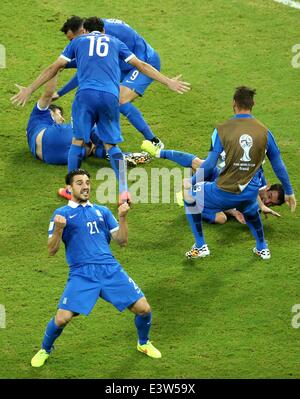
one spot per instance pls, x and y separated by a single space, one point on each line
245 141
268 195
86 230
133 83
97 99
49 138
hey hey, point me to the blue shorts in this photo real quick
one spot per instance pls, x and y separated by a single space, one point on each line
56 143
92 107
211 199
89 282
135 80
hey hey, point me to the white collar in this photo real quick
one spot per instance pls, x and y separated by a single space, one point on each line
96 32
74 205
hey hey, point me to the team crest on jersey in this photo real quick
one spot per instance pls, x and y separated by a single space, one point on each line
246 142
100 215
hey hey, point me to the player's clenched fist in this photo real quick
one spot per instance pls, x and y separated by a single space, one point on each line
60 221
123 209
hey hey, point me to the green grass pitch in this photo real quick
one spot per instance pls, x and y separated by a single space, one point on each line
224 317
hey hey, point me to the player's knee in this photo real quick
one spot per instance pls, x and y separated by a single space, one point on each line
123 99
63 317
221 218
108 146
145 309
78 142
141 307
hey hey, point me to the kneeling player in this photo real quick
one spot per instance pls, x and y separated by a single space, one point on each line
269 195
86 231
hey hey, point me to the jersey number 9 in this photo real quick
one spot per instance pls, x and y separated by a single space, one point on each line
101 46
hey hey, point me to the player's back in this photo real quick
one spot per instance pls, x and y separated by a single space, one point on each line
126 34
97 56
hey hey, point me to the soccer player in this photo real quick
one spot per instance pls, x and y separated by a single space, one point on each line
133 83
97 57
49 138
245 141
268 195
86 230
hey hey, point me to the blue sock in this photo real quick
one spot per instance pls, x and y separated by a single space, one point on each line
100 152
136 118
76 154
116 158
195 221
51 334
256 227
143 325
182 158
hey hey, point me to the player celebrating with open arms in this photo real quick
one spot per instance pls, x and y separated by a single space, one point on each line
97 58
86 230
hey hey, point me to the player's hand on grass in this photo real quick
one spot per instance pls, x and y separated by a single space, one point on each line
60 222
268 211
23 96
291 201
175 84
123 209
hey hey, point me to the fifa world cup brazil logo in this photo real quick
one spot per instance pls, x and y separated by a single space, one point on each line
246 143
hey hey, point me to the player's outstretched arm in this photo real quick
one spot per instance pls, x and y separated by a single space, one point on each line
174 84
291 202
121 235
46 98
280 171
54 242
24 94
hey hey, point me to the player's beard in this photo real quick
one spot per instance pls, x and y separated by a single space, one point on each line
82 197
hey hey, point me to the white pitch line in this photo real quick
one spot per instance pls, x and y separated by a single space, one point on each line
290 3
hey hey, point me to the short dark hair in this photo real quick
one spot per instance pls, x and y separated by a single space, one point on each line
93 23
244 97
75 172
281 194
54 107
73 23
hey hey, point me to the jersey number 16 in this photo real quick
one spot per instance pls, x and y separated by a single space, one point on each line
101 46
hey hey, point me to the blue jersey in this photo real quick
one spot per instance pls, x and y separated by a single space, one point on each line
126 34
39 119
87 233
97 58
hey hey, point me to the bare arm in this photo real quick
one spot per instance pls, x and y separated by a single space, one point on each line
25 92
46 98
121 235
265 209
54 241
173 84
